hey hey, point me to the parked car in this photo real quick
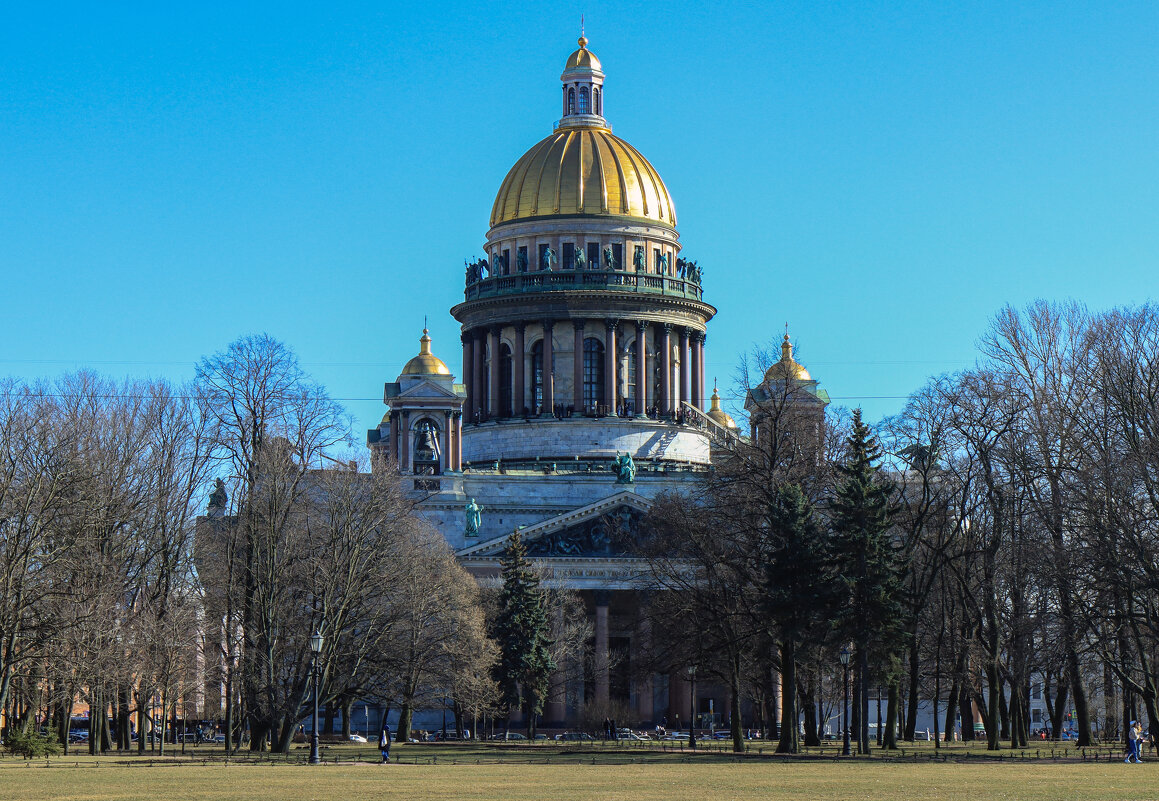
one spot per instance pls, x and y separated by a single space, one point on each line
357 738
627 734
511 735
573 736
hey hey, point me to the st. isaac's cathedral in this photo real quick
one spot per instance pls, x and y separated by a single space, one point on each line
582 392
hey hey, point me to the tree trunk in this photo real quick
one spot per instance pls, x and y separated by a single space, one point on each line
404 721
347 709
889 739
808 709
911 718
788 743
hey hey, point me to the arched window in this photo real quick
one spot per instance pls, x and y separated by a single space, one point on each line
630 395
505 409
571 101
427 448
597 98
593 373
565 100
537 376
583 104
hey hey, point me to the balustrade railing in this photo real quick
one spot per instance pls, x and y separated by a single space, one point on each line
616 280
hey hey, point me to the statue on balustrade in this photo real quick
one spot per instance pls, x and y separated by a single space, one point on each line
474 514
548 259
609 258
624 468
638 260
681 267
521 261
664 264
581 259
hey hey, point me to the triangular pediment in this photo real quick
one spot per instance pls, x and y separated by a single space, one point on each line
604 528
427 389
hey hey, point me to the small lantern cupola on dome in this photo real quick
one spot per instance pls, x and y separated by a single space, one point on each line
719 415
426 363
787 368
583 90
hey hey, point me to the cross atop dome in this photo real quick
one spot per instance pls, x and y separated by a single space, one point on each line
583 89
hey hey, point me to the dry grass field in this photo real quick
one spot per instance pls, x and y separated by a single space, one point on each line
555 774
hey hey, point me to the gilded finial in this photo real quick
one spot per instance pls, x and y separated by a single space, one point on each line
425 341
583 42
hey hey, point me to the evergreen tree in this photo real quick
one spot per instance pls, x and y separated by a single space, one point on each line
521 630
798 593
871 565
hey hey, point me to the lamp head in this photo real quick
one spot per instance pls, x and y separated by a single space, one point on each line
844 655
316 643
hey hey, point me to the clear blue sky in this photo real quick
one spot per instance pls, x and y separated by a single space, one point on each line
883 176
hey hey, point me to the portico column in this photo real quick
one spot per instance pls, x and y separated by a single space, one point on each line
641 368
476 376
519 357
642 642
600 657
665 368
548 373
685 368
458 442
493 374
469 371
697 397
577 373
610 366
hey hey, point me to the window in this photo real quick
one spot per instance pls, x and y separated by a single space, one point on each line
537 377
631 394
583 100
596 98
1036 716
593 373
541 262
618 256
505 380
656 260
568 255
571 101
506 261
1036 691
521 259
594 256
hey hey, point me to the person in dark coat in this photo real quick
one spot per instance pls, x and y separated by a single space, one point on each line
384 743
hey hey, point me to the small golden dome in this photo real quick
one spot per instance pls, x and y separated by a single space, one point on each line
718 414
582 58
426 363
787 368
581 170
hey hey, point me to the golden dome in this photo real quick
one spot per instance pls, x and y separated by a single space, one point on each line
426 363
582 59
787 368
718 414
582 170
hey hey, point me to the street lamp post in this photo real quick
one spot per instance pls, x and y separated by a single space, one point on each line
844 657
316 650
692 707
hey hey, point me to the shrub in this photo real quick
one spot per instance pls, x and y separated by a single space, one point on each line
31 745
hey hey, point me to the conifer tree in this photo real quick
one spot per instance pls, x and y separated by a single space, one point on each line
798 592
522 632
871 564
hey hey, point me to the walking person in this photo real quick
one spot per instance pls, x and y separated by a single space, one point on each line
1132 742
384 743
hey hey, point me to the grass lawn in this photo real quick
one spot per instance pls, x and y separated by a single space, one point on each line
559 774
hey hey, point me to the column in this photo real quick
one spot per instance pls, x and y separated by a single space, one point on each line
519 363
404 459
477 396
494 374
610 365
556 711
458 444
698 376
548 373
644 699
697 396
641 369
685 367
577 372
447 462
665 369
468 372
600 657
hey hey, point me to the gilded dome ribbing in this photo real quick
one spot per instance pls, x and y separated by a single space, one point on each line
583 171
